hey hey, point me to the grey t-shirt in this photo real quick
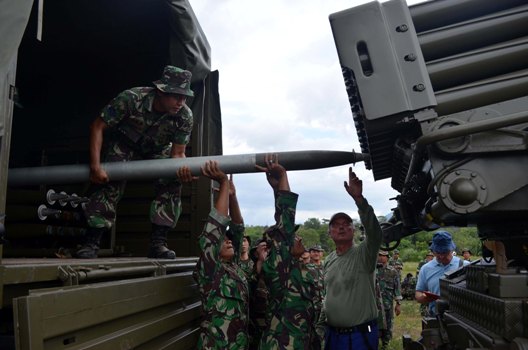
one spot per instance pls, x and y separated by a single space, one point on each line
349 278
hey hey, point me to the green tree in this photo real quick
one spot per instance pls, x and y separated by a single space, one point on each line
309 235
313 223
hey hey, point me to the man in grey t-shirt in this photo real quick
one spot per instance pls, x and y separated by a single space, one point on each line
350 303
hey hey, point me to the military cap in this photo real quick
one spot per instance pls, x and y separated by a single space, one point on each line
340 215
175 80
383 252
316 247
466 250
395 251
430 253
253 250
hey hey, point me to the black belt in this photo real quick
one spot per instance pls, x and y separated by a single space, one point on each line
366 327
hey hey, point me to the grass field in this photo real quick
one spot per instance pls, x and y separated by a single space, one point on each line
410 320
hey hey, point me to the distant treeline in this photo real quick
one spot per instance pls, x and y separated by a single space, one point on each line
412 248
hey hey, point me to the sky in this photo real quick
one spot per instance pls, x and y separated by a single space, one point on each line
281 89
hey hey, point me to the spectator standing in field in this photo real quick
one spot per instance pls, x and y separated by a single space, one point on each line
396 262
350 301
389 281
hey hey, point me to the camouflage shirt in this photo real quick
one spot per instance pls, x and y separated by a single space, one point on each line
397 264
132 118
294 290
382 318
247 266
223 289
389 281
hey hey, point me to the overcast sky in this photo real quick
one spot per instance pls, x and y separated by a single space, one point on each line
281 89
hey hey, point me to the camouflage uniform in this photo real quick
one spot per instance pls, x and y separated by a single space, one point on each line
293 286
258 303
248 267
408 287
397 264
223 289
258 298
138 132
389 282
382 318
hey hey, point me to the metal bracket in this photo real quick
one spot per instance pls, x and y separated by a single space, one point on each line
68 275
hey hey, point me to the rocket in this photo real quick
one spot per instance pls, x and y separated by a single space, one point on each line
167 168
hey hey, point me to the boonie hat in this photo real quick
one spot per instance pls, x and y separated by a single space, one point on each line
466 250
383 252
442 242
340 215
175 81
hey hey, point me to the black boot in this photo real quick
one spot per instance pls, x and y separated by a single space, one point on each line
158 243
90 247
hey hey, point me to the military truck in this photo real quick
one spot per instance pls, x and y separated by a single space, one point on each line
60 63
439 96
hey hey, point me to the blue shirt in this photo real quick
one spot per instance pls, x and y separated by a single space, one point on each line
430 274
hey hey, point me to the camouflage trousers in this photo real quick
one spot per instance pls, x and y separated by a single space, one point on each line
165 209
386 333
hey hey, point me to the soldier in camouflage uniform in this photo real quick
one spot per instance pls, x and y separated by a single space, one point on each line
222 283
396 262
428 257
408 286
382 317
143 123
389 281
246 263
293 286
258 294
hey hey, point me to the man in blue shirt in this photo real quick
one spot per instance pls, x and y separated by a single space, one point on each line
430 274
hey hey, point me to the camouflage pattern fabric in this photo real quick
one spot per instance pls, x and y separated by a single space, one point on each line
133 119
248 267
293 287
382 318
397 264
139 133
175 81
258 304
223 289
389 282
258 301
408 287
